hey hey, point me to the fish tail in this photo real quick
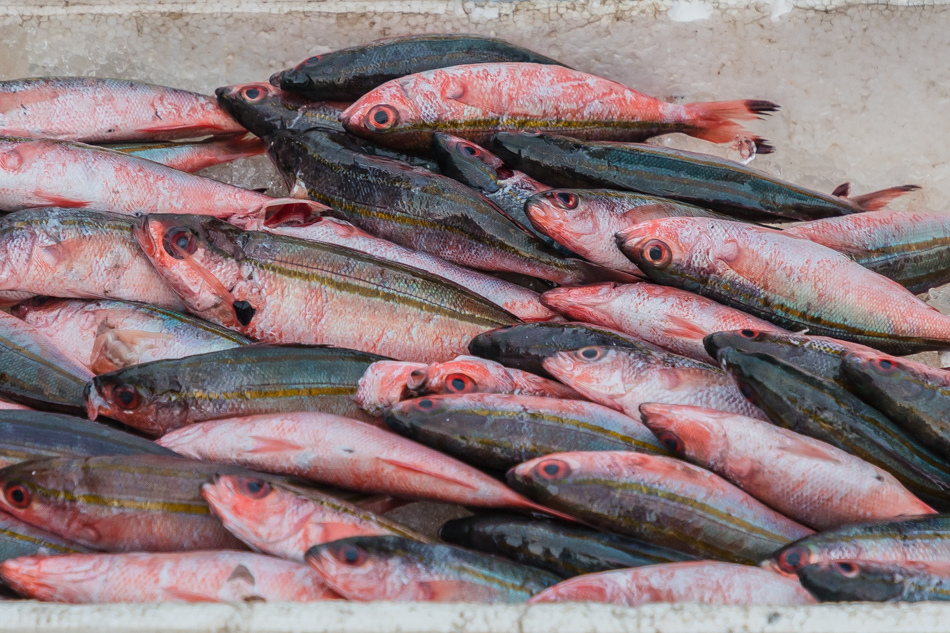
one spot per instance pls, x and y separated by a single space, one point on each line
880 199
714 121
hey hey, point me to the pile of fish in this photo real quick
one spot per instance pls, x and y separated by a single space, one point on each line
642 374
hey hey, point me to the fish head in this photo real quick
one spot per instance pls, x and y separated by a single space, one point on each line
469 163
566 215
669 248
496 342
745 340
259 107
384 384
545 478
873 372
465 374
253 509
585 588
583 302
856 581
29 491
386 115
693 433
406 416
597 372
360 568
200 258
54 578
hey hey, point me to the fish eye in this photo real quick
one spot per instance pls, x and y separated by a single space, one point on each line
748 333
552 470
313 60
17 495
253 94
590 353
425 404
469 150
846 569
885 365
126 397
351 555
460 383
656 254
382 118
254 488
671 441
793 559
179 240
747 392
566 200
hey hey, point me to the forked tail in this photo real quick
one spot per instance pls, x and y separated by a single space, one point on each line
714 121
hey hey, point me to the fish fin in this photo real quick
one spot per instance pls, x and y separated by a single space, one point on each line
880 199
594 273
713 121
809 451
842 190
272 445
59 201
678 326
739 110
395 463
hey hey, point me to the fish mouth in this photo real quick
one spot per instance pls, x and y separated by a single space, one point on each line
95 403
143 235
560 362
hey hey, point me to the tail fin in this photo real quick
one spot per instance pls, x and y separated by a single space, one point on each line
880 199
714 121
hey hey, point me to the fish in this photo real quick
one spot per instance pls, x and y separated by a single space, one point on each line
870 581
805 479
28 435
264 109
341 452
43 173
285 521
194 156
905 541
523 302
465 101
401 570
277 289
499 431
816 355
673 319
790 281
487 174
22 539
585 220
35 372
108 335
525 345
713 183
98 110
214 576
126 503
414 208
165 395
623 379
76 253
349 73
658 499
805 404
914 395
703 582
560 548
909 247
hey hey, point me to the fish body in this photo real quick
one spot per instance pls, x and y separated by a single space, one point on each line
659 499
22 539
27 435
526 345
500 431
283 290
94 110
161 396
35 372
910 247
788 280
345 453
520 301
673 319
585 220
623 379
413 207
149 503
212 576
805 479
704 582
805 404
465 101
286 521
192 157
914 395
79 254
560 548
350 73
400 570
707 181
870 581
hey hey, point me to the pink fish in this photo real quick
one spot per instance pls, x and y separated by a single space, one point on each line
469 374
466 101
384 384
673 319
218 576
346 453
192 157
705 582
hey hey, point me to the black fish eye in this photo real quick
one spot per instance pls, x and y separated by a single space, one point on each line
381 116
425 403
180 240
885 365
469 150
126 397
590 353
313 60
244 312
352 555
566 200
